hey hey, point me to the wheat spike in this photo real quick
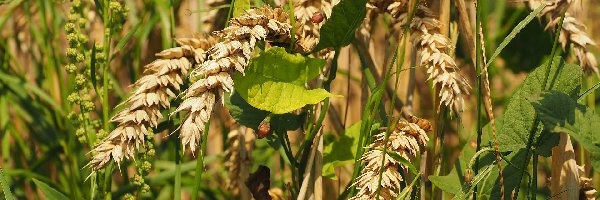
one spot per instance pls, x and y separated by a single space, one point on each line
433 49
572 32
162 79
398 9
223 59
407 140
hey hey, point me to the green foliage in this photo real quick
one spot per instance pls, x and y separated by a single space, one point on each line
515 31
455 183
251 117
5 187
240 7
512 174
274 81
561 113
338 31
520 57
342 151
49 192
517 121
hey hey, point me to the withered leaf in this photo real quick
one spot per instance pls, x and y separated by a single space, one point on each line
259 183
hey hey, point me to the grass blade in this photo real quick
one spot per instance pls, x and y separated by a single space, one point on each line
49 192
93 68
515 31
5 188
125 39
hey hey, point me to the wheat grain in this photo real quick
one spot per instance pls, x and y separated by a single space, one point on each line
223 59
162 78
433 49
398 9
407 140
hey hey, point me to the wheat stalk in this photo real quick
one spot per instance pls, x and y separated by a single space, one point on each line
433 53
407 140
162 77
223 59
572 31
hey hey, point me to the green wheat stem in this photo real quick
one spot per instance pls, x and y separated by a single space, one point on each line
177 183
478 66
390 127
200 162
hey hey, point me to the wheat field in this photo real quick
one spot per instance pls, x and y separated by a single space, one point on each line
299 99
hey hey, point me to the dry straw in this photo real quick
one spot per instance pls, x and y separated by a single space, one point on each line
572 32
407 140
162 79
214 76
433 53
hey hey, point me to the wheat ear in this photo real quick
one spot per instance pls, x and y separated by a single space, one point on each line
433 49
213 77
162 78
572 32
407 140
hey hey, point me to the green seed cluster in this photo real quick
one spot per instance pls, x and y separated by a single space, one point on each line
145 163
118 13
78 68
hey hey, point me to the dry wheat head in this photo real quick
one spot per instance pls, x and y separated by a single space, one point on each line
407 140
214 76
162 79
572 32
433 49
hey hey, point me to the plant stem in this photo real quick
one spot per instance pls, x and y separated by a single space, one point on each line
177 184
200 161
106 49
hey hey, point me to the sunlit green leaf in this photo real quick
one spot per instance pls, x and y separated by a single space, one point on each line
274 81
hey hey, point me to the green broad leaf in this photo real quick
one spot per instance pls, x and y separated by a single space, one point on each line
512 174
251 117
561 113
240 7
514 126
274 81
339 29
342 151
454 182
49 192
